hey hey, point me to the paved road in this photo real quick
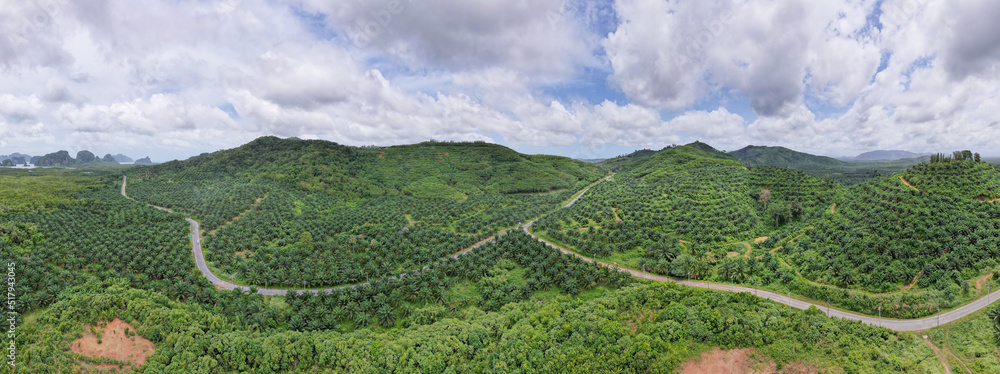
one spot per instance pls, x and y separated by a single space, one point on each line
893 324
199 259
898 325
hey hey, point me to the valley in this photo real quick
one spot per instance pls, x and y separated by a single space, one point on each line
255 257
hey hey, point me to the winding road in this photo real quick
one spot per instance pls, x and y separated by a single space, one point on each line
893 324
199 259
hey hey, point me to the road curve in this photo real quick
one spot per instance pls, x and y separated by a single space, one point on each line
893 324
199 259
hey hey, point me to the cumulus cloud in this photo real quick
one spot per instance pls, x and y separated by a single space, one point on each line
580 78
672 54
974 46
530 36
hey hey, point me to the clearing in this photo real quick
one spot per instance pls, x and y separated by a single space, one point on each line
907 183
981 281
738 361
615 211
937 352
115 344
914 282
985 199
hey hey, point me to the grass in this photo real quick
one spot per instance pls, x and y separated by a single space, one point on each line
970 341
41 189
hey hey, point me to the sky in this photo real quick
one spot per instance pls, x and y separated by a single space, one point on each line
586 79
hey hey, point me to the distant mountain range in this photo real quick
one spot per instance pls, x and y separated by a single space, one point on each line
887 155
63 158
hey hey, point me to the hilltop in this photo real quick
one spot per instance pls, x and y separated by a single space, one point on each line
429 169
961 179
781 156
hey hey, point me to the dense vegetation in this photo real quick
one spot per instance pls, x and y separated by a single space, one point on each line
978 180
295 215
104 236
972 342
782 157
425 170
40 190
269 234
683 210
643 328
789 231
290 212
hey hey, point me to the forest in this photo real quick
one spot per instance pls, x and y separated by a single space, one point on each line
452 284
911 243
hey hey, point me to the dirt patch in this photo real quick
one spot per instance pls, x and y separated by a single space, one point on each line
938 353
981 281
615 211
833 208
985 199
749 248
761 239
115 344
907 183
738 361
914 282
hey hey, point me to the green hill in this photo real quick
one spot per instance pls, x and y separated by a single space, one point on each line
887 233
628 160
781 156
674 159
682 210
425 170
963 179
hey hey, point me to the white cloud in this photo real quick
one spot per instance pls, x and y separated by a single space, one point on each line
151 75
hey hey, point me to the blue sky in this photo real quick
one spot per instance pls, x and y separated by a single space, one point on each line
587 79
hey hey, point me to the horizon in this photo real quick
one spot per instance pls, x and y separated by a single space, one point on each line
572 78
155 160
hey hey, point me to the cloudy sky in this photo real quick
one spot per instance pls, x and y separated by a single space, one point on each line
588 79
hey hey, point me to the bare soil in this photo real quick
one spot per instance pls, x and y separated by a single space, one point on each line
833 209
981 281
985 199
615 211
937 352
115 345
907 183
914 282
761 239
738 361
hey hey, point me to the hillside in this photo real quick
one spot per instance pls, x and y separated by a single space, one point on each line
687 211
887 155
780 156
425 170
682 210
962 179
627 160
61 158
892 231
678 159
